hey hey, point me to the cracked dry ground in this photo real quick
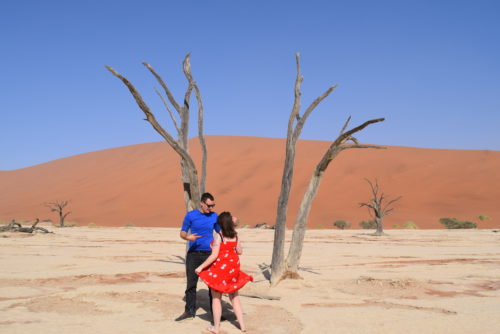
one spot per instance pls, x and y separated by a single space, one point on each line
108 280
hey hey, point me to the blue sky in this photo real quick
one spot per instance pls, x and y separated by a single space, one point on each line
431 68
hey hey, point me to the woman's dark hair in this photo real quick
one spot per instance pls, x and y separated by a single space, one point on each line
225 221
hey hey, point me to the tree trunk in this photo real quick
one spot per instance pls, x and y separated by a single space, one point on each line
299 230
186 187
380 226
277 262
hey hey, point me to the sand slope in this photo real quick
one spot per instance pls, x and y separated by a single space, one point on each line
140 184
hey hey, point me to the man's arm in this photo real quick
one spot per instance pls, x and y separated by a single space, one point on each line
189 237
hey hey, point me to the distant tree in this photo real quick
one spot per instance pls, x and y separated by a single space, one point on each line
378 206
58 206
192 187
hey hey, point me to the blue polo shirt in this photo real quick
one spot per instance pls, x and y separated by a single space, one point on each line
202 224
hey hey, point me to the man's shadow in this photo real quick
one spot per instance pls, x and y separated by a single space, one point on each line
204 303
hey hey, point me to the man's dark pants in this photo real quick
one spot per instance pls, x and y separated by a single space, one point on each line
193 260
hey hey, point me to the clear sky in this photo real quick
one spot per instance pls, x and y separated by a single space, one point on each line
430 67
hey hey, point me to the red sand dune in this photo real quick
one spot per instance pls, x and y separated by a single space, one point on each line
140 184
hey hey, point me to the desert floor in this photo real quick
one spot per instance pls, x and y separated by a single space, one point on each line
131 280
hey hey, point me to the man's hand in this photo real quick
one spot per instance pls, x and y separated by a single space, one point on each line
198 270
192 237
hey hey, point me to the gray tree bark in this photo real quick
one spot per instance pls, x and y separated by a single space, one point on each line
192 187
296 246
295 125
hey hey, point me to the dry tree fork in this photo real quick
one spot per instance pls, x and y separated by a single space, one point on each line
191 186
377 208
58 206
279 267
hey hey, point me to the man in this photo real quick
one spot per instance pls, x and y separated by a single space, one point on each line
202 222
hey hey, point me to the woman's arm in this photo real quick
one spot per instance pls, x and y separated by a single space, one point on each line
239 249
212 257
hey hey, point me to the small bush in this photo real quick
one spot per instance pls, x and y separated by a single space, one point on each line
129 224
342 224
92 225
410 225
454 223
368 225
396 226
484 217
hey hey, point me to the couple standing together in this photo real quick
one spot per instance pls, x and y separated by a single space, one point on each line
215 259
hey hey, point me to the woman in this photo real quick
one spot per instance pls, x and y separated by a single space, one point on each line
221 270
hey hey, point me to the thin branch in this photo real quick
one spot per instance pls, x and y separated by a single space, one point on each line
165 87
385 210
296 102
345 125
201 138
151 118
338 145
169 111
260 296
312 106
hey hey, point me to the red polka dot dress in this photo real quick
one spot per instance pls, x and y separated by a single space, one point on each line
224 274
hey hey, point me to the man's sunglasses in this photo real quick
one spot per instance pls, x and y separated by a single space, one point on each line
209 205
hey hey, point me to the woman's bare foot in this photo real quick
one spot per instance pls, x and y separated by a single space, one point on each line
212 329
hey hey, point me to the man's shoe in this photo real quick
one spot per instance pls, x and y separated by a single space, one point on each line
185 316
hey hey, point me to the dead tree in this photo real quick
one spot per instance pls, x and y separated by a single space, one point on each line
58 206
13 226
377 208
295 125
337 146
192 187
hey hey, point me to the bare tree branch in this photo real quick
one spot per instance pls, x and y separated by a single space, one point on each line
337 146
149 115
164 86
169 111
201 137
189 173
312 106
345 125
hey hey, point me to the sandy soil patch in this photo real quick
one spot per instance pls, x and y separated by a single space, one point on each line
80 280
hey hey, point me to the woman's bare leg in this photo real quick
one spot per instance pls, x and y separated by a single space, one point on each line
238 310
216 311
